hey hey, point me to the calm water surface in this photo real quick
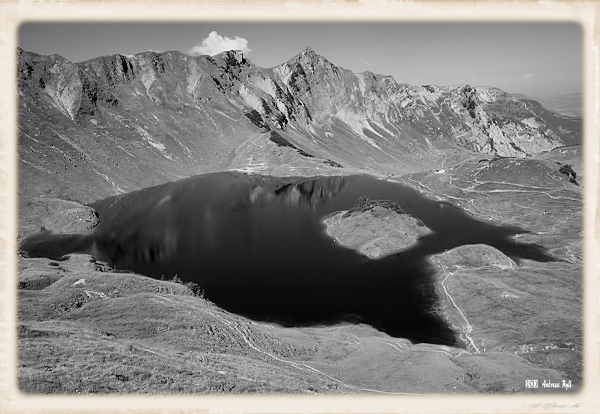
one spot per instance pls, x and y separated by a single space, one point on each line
257 247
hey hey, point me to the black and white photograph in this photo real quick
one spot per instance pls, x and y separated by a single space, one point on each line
339 208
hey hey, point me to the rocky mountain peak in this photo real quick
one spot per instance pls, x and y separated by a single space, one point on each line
308 51
308 57
232 57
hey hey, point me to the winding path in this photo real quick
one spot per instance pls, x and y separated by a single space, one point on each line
467 328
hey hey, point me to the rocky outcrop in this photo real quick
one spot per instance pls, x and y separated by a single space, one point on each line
55 76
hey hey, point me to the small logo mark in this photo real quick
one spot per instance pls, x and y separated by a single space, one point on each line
531 383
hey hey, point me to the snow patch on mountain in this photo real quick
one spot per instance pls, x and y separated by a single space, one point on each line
150 140
531 122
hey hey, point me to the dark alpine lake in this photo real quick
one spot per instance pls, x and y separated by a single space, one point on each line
257 246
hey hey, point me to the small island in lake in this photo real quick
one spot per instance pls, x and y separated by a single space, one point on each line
375 228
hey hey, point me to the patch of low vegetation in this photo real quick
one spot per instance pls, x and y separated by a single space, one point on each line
282 142
568 171
257 119
365 204
104 267
333 163
304 153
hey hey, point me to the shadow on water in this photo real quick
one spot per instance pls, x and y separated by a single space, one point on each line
257 247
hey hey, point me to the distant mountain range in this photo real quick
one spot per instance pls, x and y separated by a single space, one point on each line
114 123
569 105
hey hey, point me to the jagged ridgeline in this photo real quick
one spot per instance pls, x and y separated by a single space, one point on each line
119 123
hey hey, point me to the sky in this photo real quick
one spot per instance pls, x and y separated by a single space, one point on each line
535 59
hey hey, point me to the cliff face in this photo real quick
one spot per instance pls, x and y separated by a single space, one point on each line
115 123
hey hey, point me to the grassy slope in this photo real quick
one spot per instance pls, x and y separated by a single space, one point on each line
94 331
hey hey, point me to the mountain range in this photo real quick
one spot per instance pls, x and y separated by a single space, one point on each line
115 123
568 105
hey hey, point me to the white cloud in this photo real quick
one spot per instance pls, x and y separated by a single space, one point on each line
215 43
369 64
528 76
